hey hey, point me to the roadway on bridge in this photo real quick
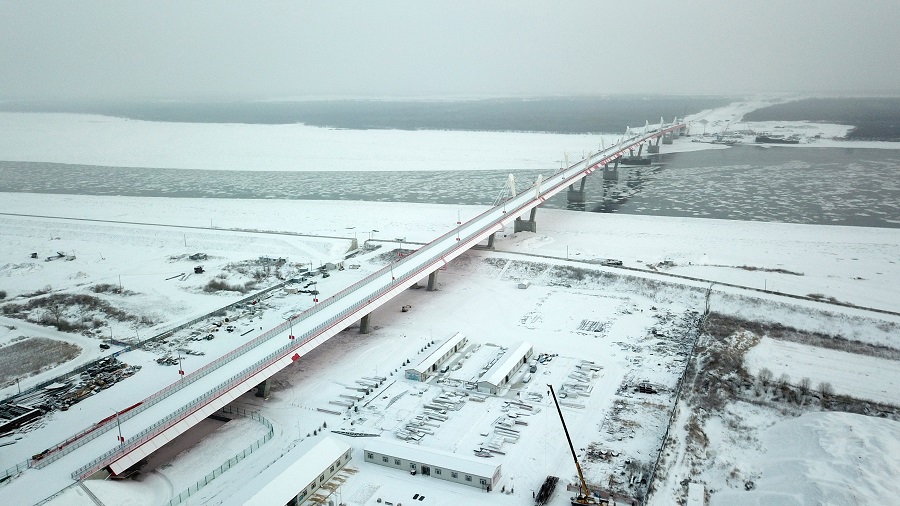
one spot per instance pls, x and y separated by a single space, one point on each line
169 413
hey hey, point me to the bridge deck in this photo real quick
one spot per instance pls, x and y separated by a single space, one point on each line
170 412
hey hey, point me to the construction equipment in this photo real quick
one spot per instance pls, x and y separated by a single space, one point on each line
585 497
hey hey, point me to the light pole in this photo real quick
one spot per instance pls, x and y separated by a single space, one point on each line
180 368
119 425
290 320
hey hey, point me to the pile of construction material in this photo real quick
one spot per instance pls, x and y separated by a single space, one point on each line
354 394
506 429
434 414
579 383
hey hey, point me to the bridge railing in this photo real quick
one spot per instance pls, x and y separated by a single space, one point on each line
199 402
87 435
285 350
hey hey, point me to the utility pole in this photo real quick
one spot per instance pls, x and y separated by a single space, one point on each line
119 425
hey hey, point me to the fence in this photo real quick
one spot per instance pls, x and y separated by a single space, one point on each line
228 464
678 388
14 470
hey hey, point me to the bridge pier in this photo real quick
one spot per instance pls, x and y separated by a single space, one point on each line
432 278
653 148
667 138
264 388
576 196
611 174
490 244
364 327
529 225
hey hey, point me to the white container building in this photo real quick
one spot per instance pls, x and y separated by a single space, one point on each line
435 463
432 362
498 376
297 476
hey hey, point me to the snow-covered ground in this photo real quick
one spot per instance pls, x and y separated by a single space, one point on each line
642 315
859 376
480 289
824 458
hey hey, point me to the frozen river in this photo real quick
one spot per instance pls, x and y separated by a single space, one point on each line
830 186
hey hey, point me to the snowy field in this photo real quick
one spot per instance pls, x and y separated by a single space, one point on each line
606 329
486 306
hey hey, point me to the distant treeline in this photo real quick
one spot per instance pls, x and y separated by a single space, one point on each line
553 114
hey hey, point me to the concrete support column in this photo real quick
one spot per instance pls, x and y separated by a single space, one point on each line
262 390
529 225
667 138
611 174
432 278
576 196
364 327
490 243
653 148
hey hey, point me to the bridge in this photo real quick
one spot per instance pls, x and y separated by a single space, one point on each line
173 410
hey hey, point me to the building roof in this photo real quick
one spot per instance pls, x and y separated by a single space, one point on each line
430 360
433 457
507 362
283 480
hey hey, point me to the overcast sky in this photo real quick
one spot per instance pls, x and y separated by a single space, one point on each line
270 49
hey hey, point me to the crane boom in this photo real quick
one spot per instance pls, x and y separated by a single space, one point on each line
585 495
